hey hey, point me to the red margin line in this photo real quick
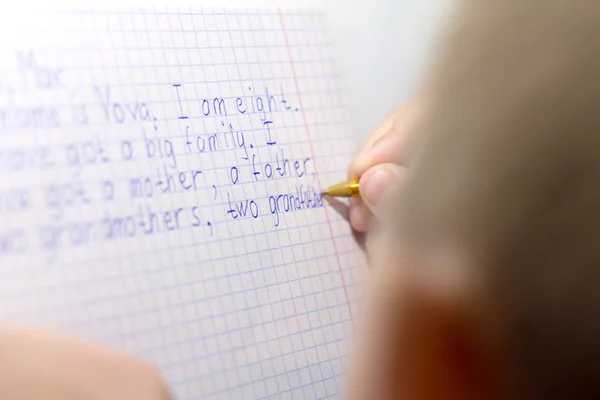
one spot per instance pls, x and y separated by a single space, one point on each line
312 151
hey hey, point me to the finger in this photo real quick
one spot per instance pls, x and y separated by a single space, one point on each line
360 216
390 148
389 142
377 183
383 129
373 186
387 151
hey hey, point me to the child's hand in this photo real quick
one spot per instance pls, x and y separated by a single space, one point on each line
379 163
38 365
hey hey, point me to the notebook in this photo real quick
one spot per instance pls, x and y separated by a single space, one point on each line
160 176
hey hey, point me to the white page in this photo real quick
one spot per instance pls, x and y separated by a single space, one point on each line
138 210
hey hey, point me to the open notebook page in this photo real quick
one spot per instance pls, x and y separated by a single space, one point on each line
159 190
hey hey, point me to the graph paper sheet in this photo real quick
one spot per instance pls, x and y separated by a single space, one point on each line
159 190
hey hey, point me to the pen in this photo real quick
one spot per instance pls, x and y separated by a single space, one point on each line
344 189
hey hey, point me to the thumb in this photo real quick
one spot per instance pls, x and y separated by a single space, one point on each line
378 182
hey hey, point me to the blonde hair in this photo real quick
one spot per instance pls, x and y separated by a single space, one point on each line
507 166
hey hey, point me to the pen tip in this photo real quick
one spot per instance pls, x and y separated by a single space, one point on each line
325 193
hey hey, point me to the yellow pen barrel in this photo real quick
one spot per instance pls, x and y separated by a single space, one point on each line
353 187
344 189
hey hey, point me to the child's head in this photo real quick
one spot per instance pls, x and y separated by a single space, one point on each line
487 278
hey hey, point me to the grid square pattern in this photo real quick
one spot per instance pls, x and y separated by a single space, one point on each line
160 171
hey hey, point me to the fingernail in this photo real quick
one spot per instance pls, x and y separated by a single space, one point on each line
375 186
